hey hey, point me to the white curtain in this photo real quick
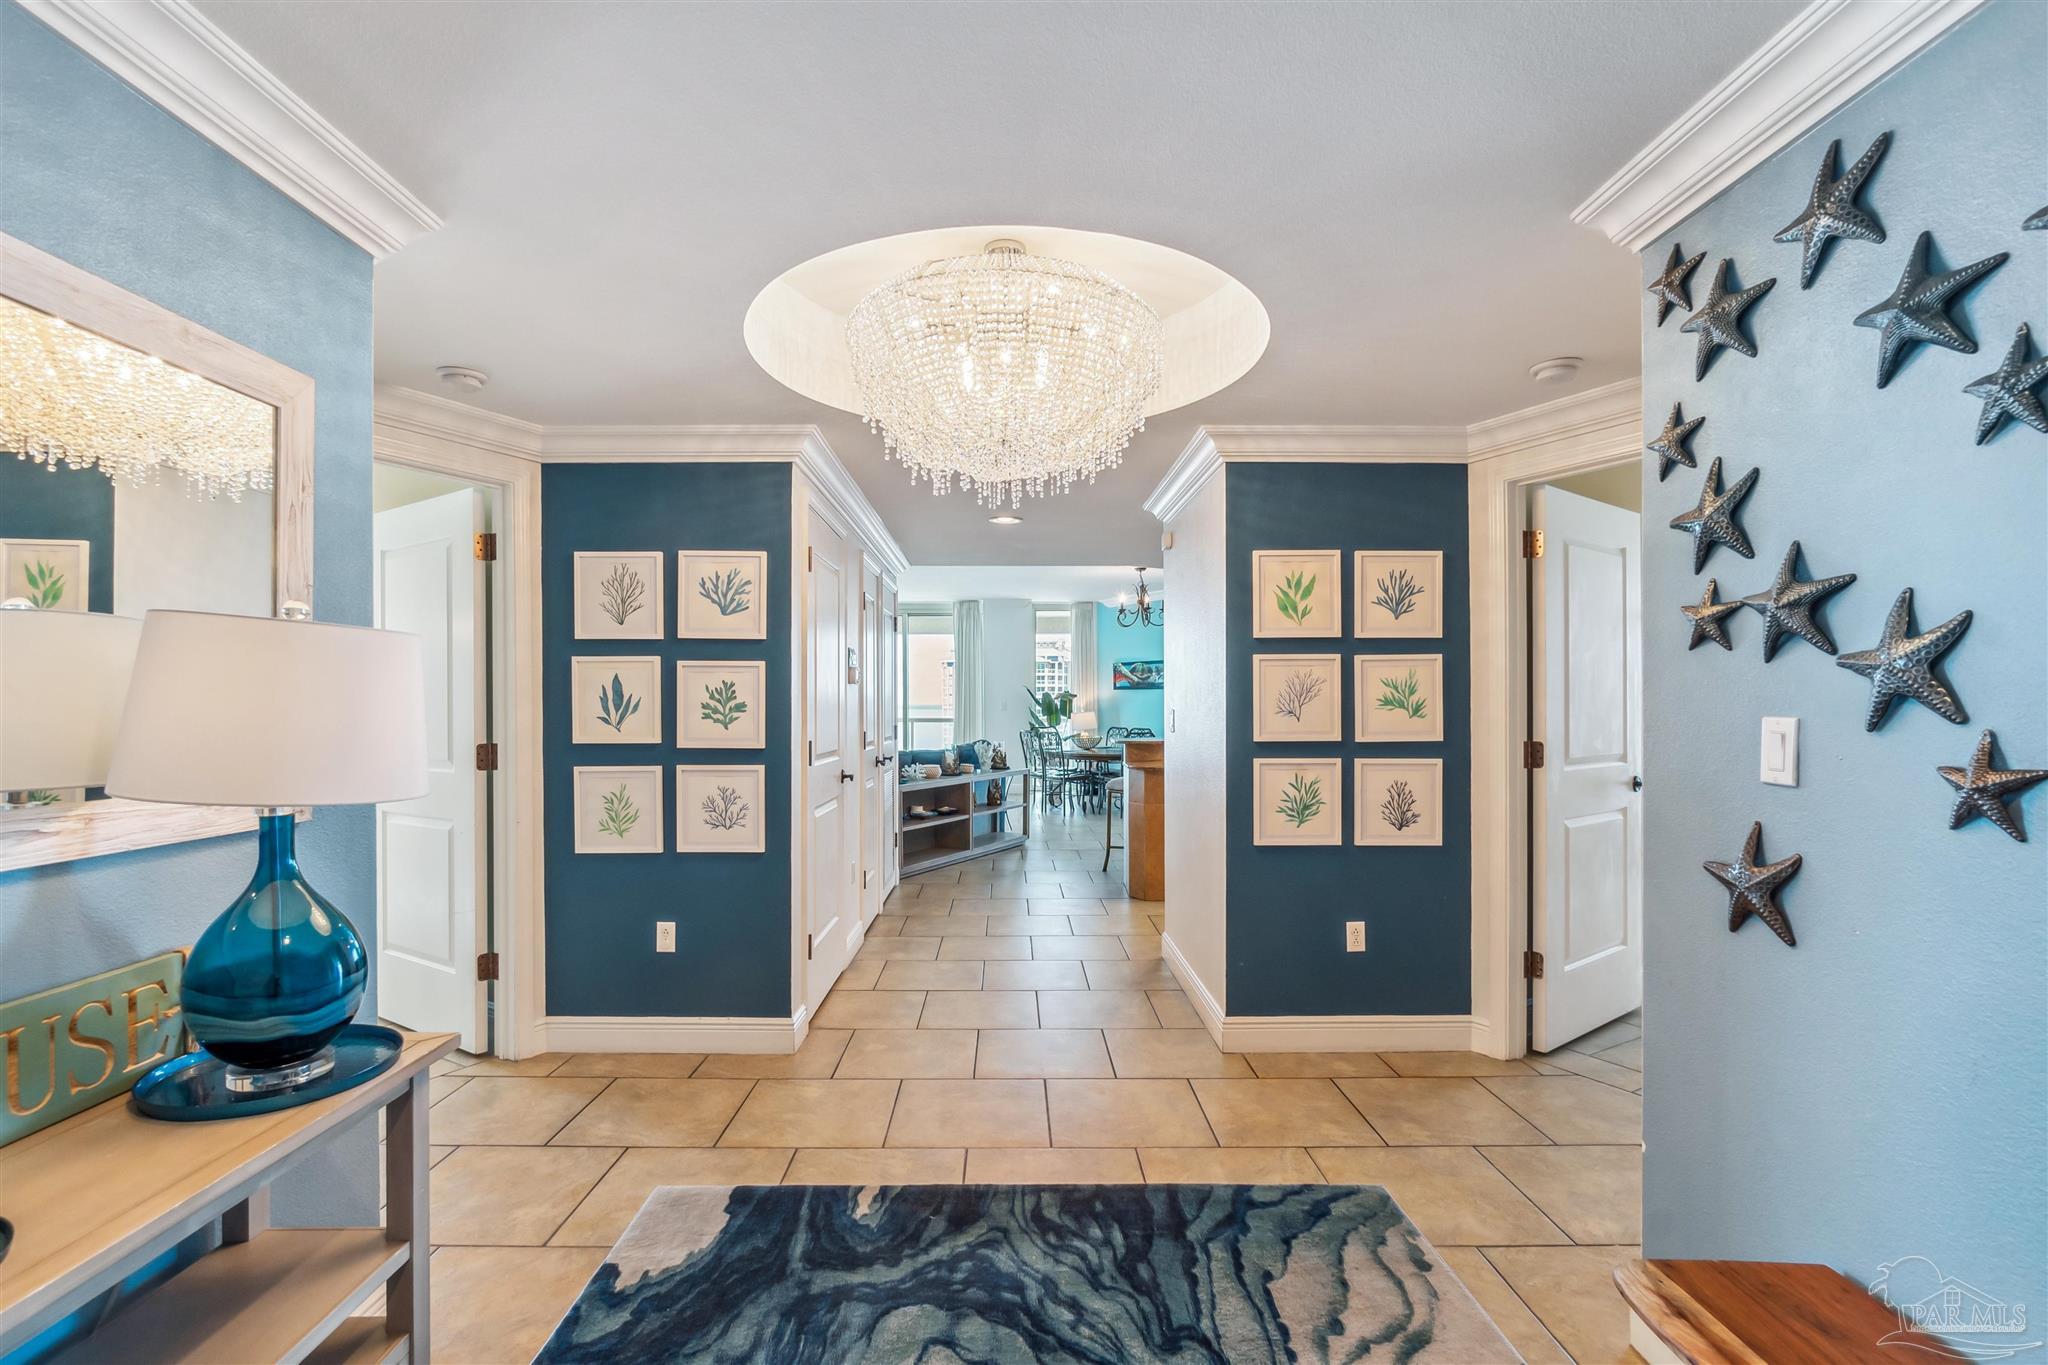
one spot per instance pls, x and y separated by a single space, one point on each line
1084 657
968 717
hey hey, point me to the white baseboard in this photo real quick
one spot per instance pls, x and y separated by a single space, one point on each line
1207 1007
670 1033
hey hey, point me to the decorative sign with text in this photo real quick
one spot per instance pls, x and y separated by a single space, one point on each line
70 1048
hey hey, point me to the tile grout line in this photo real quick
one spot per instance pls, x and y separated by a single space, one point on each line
1541 1212
1527 1307
617 1157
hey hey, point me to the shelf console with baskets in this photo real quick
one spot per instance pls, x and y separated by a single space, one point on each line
967 816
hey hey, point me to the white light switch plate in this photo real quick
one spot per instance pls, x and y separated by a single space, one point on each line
1779 764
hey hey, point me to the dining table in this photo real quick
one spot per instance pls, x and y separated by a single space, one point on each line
1101 754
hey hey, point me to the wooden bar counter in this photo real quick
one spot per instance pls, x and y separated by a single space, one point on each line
1145 818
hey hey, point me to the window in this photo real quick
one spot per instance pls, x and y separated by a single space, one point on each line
926 684
1055 653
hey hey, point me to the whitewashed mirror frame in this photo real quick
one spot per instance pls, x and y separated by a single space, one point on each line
57 834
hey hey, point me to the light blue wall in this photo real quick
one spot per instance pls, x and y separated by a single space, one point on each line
1114 642
94 173
1882 1089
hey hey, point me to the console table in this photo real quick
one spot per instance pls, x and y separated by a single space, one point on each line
926 842
100 1195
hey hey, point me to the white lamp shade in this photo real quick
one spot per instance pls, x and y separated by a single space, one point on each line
1084 721
63 677
256 711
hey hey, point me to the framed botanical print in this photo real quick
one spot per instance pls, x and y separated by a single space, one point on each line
724 594
1297 594
54 575
618 810
1297 697
1398 594
1399 802
618 595
617 699
1297 801
719 704
1398 698
721 809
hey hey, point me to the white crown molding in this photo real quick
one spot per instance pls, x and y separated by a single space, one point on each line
1197 464
1615 408
176 57
429 414
829 477
627 444
1341 444
1830 53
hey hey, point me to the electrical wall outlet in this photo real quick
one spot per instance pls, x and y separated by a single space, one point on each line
1354 936
664 936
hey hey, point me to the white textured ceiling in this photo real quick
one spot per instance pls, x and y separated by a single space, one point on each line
618 180
1036 583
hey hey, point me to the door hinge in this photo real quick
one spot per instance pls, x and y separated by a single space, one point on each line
487 966
810 556
1532 964
810 751
487 545
487 756
1532 753
807 947
1532 545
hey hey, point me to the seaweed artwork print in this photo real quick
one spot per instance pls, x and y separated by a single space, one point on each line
725 809
620 814
1397 593
1292 596
722 705
731 592
1403 695
1296 693
616 706
622 593
1398 810
45 584
1302 801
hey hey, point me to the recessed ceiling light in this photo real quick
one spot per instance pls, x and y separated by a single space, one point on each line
1555 371
1006 521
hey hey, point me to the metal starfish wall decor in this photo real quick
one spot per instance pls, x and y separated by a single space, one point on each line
1706 618
1787 605
1902 664
1753 887
1719 321
2008 391
1712 521
1831 209
1669 446
1917 310
1669 288
2037 221
1982 790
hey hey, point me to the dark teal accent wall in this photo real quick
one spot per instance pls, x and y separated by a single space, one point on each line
1284 936
1880 1091
92 172
37 501
732 911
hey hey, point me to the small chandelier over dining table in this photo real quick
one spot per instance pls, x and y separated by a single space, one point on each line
1007 372
1142 612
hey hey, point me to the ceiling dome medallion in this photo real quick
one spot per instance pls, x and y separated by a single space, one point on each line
1008 372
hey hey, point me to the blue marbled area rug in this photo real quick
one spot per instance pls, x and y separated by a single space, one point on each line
1019 1274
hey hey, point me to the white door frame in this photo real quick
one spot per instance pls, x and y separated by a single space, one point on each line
1497 503
398 437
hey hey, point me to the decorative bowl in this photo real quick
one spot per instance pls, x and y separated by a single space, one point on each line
1087 739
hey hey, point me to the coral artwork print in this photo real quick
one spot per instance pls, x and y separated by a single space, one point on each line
1397 593
622 593
722 705
1398 810
725 809
45 584
731 592
1302 801
620 814
1404 695
615 705
1292 596
1295 695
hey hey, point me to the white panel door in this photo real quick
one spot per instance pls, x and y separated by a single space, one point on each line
831 781
1586 836
431 922
871 670
892 708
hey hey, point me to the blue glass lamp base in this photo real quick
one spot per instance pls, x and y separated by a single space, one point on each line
200 1086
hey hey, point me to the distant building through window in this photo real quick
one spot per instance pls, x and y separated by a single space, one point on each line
1055 652
927 679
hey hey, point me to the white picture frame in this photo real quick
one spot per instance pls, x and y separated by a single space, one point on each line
617 595
1297 698
710 717
721 808
1398 595
722 594
1279 786
1398 698
1281 611
1398 803
619 810
628 713
31 567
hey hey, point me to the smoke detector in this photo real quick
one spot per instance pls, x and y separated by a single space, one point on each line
1556 370
463 377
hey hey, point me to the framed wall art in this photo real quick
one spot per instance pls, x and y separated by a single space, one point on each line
618 810
719 704
618 595
1297 594
1398 594
721 809
1137 675
1398 802
1298 801
54 575
617 699
723 593
1398 698
1298 698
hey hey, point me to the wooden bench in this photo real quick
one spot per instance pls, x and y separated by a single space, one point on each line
1764 1313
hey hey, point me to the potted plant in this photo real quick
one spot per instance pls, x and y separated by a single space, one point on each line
1053 708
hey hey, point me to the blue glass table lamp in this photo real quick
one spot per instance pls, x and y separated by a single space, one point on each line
275 714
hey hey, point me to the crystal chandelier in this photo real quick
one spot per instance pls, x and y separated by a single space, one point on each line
1014 374
1145 611
69 397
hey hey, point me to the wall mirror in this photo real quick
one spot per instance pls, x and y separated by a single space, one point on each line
145 462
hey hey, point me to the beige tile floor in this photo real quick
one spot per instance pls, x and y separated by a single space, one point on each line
1010 1020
